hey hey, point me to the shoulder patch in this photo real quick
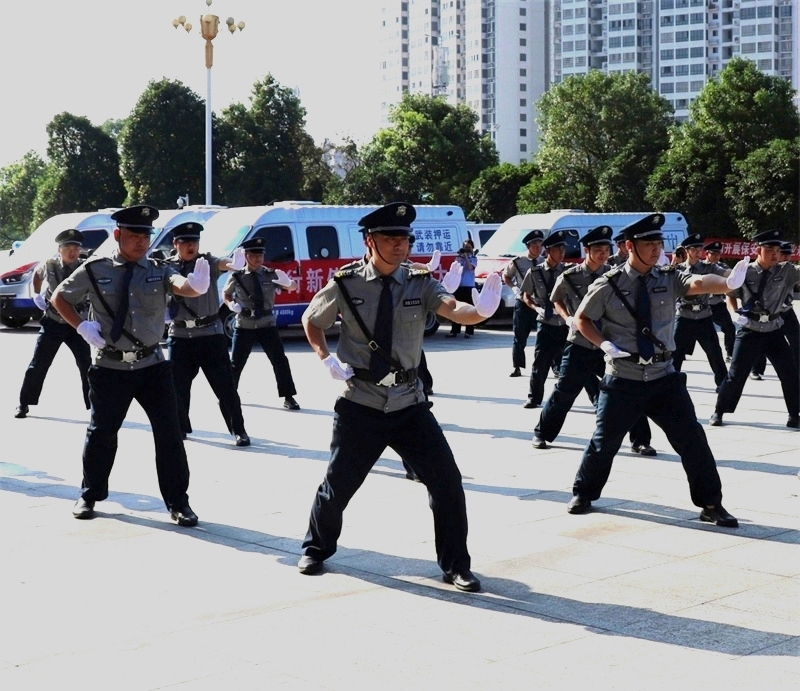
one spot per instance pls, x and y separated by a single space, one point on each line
345 273
415 273
667 269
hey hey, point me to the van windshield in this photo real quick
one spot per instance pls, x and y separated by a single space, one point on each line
504 244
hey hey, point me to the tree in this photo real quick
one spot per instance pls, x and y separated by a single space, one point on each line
734 116
430 155
162 145
493 194
83 169
264 148
18 186
763 189
601 136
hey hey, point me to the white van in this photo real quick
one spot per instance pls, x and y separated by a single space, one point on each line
310 241
506 242
16 272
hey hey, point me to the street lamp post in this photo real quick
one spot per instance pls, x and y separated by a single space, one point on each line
209 25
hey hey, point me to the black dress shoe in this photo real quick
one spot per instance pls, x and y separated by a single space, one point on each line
530 403
308 565
450 335
755 376
83 509
719 516
184 516
793 422
644 449
539 442
290 404
578 505
22 411
715 420
515 373
463 580
242 439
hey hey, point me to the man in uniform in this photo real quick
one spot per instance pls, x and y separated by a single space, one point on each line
621 255
635 304
54 330
251 294
524 318
693 323
383 305
128 294
582 365
763 295
197 338
719 306
536 289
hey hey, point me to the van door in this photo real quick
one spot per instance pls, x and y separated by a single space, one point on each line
280 253
326 251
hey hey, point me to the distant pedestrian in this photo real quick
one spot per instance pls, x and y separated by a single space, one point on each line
467 260
719 306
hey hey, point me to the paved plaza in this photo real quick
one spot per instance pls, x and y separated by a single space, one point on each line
638 594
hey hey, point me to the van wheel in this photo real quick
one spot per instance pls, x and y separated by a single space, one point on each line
14 322
431 324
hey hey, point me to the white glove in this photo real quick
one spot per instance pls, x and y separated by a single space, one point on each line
487 301
39 301
517 292
741 320
539 311
573 327
612 351
663 259
90 332
452 279
737 275
200 278
234 307
433 264
237 261
283 279
339 371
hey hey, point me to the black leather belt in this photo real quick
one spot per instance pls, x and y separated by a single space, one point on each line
129 355
195 323
692 308
396 378
657 357
757 317
256 314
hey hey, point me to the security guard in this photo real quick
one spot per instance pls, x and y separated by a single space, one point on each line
251 294
582 365
536 289
524 318
635 304
763 296
54 330
196 336
694 323
383 305
719 306
621 255
128 294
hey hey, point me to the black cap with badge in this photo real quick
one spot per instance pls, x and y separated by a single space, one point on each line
393 219
598 236
769 238
69 237
647 228
190 230
693 240
138 219
533 236
713 247
254 245
558 237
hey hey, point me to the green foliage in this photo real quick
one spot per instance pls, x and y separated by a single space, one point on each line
83 169
493 194
18 186
601 135
162 146
430 155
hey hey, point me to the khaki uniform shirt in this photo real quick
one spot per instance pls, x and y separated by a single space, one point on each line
571 287
203 305
414 294
53 272
618 325
539 283
697 306
519 266
780 284
716 298
240 286
151 286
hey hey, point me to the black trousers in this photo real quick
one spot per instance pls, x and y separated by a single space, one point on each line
748 347
687 333
424 373
269 340
464 294
360 435
111 393
667 403
581 368
51 335
547 354
210 354
791 329
721 316
524 321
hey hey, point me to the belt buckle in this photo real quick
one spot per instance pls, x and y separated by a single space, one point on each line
696 308
648 361
763 317
389 380
129 356
190 324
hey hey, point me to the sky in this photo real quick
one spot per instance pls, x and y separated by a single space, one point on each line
94 59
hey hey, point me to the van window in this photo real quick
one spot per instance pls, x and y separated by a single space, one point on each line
92 239
484 235
279 246
323 242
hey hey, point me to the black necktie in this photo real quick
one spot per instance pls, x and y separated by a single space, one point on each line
759 296
124 301
174 303
644 322
379 365
258 295
548 308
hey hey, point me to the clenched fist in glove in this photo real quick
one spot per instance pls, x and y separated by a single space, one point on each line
338 370
90 332
39 301
283 279
611 351
200 278
237 261
452 279
737 275
234 307
740 320
433 264
487 301
573 327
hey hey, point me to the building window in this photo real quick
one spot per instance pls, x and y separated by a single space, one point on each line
765 65
765 47
523 132
668 37
681 53
523 72
523 27
697 52
697 35
764 29
523 103
615 42
523 117
696 68
748 48
523 87
523 57
522 11
764 11
523 42
667 88
667 55
681 36
681 70
697 86
747 13
523 147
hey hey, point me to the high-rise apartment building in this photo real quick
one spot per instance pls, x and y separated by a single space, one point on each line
500 56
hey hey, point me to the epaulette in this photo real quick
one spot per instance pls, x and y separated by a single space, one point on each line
572 269
352 265
345 273
667 269
416 273
614 270
96 258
